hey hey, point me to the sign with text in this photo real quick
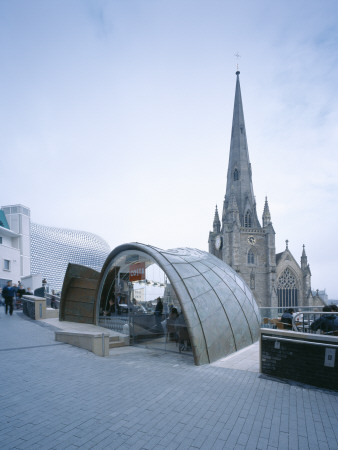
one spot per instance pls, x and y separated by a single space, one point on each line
137 271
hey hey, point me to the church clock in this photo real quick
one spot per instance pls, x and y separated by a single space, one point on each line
252 240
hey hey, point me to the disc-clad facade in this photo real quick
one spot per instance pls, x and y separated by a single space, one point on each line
52 248
219 310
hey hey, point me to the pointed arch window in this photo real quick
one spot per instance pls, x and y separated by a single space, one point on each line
247 220
287 290
236 175
251 257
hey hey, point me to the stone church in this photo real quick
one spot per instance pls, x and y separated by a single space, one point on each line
248 246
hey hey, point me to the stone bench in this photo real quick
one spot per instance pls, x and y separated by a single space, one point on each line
95 342
52 313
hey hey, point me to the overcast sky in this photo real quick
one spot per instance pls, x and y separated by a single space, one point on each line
115 117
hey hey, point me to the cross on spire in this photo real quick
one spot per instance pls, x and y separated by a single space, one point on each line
237 56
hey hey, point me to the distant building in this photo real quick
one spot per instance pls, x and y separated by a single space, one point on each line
14 243
31 252
139 295
322 294
249 247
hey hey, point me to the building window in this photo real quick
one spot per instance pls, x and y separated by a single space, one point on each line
247 219
7 264
251 257
235 175
287 290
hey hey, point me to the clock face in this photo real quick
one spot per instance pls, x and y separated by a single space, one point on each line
251 240
218 242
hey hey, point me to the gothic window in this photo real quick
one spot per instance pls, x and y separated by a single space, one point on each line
287 290
247 220
235 175
252 281
251 257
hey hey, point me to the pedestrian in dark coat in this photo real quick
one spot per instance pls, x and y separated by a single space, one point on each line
8 294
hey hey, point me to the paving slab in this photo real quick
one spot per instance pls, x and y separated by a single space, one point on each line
245 359
55 396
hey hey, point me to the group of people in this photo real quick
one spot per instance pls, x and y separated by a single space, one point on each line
119 305
327 323
12 295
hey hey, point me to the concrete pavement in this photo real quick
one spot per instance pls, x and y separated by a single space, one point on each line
54 396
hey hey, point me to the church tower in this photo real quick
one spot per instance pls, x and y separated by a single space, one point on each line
242 242
276 280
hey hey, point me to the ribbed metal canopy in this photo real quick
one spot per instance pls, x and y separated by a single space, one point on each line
219 309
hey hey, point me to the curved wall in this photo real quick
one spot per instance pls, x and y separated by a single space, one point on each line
219 309
53 248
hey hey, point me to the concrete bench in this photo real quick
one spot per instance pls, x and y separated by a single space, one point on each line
95 342
52 313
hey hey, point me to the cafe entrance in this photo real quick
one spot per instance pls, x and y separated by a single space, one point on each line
136 298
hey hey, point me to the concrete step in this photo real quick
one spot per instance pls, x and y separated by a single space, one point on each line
116 344
117 341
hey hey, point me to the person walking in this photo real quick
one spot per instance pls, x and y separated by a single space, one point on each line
158 313
8 294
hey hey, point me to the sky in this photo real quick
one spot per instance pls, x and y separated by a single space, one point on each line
115 117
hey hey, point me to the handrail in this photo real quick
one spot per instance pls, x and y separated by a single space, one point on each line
57 298
290 306
299 341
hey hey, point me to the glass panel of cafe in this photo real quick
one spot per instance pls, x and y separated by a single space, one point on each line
138 299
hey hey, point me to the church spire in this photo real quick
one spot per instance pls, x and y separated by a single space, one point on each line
266 213
216 223
239 169
233 213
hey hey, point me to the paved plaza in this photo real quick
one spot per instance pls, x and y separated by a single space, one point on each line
54 396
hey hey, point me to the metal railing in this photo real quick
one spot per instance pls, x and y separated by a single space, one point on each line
115 323
48 298
303 320
272 312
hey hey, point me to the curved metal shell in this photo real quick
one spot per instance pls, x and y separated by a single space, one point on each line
219 309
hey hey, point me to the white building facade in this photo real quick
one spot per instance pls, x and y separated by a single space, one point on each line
14 243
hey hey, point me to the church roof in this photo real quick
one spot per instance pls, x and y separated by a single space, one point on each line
279 257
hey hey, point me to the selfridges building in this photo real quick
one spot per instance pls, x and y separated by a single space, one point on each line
46 250
53 248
